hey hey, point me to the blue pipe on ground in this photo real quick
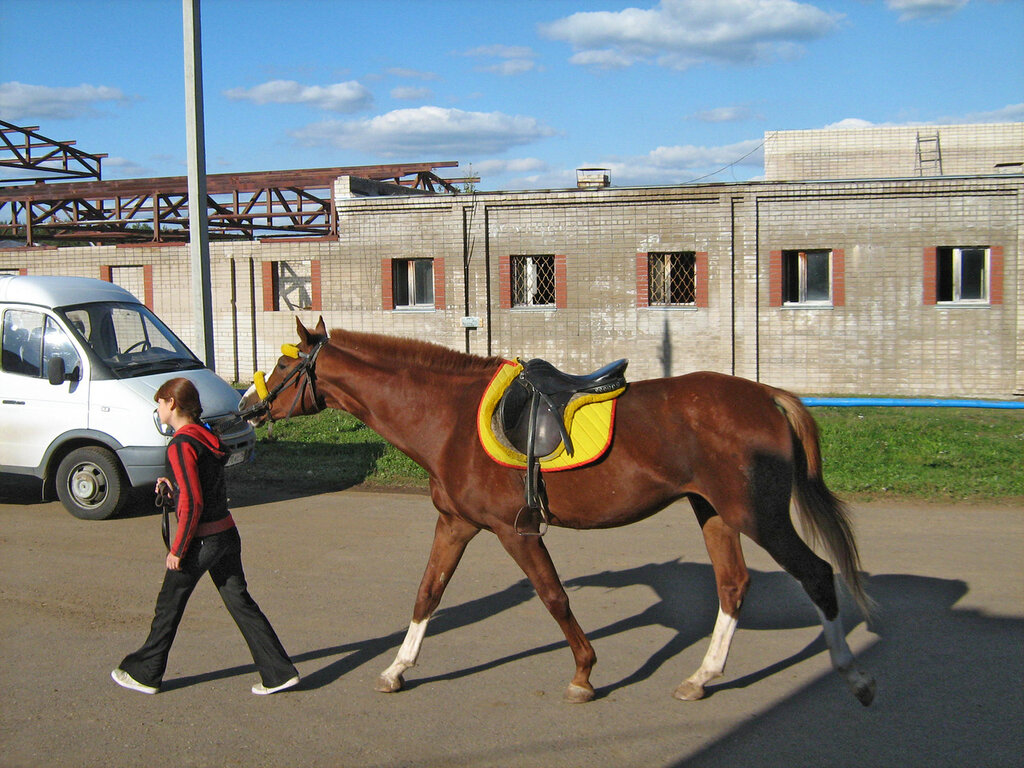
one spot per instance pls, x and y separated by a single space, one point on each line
909 402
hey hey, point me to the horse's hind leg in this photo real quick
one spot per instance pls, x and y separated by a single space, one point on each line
781 541
451 535
732 580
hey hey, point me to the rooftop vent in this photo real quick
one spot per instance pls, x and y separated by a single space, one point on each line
592 178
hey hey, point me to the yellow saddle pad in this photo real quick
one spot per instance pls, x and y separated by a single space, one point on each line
590 418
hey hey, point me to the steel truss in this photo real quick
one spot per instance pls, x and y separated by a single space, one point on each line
239 205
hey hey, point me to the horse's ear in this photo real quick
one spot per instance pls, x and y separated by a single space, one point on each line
303 333
321 328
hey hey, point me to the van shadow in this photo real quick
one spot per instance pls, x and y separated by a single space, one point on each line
20 489
281 471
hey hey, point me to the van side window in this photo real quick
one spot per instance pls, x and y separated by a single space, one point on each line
23 342
30 339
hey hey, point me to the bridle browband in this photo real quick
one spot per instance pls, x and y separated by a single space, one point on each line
306 371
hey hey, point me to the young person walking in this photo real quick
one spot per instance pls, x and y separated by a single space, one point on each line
206 540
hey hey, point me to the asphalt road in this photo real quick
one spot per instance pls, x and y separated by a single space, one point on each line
337 574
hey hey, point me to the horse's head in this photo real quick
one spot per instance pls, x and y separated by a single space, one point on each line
290 390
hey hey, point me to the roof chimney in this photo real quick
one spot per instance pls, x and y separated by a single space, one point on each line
592 178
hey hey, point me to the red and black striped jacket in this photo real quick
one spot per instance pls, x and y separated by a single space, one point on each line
195 462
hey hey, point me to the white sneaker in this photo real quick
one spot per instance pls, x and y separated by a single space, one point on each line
125 680
261 690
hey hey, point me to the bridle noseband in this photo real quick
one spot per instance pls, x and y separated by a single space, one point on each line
305 370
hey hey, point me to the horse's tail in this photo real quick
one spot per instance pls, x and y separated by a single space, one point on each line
824 517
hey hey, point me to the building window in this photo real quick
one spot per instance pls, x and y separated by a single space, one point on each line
137 280
961 275
291 285
533 281
807 277
672 279
412 283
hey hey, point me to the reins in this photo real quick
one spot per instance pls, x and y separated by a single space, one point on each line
306 369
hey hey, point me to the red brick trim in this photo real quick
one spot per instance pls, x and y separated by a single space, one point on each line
505 282
315 291
643 281
561 283
930 275
775 279
147 281
268 267
106 273
838 277
700 279
995 284
387 289
439 302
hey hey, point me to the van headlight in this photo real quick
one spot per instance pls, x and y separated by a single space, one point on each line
162 428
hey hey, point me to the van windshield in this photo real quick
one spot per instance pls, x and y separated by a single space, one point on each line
130 339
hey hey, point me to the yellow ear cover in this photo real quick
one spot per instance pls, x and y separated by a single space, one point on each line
259 380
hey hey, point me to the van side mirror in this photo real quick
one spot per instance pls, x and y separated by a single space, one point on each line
57 374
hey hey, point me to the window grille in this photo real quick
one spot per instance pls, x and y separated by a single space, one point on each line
672 278
533 281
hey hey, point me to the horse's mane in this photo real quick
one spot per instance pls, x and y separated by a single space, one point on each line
413 352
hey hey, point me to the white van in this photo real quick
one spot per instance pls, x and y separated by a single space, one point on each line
82 360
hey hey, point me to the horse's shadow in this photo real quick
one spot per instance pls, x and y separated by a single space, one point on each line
686 605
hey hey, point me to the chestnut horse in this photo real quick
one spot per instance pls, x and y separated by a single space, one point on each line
735 448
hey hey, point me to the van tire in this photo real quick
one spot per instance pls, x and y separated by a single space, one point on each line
91 483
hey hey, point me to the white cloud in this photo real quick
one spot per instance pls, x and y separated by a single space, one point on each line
910 10
411 93
723 115
19 101
427 130
412 74
502 51
516 59
680 34
1011 113
519 165
349 96
511 67
123 168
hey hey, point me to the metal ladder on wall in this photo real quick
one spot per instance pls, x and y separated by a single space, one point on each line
929 155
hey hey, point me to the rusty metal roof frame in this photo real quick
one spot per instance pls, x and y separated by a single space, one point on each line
41 159
263 204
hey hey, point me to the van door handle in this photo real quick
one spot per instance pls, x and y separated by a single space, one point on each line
14 402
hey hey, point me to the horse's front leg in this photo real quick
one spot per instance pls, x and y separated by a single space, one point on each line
732 580
451 535
532 556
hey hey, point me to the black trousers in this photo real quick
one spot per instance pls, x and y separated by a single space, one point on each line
221 556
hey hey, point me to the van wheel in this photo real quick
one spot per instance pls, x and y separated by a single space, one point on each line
90 483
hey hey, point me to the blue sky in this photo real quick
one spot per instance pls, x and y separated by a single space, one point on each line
520 93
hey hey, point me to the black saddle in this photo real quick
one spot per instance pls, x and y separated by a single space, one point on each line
532 413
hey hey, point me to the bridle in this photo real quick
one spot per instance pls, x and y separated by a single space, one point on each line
305 371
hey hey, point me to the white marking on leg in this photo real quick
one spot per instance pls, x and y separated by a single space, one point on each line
713 664
861 684
391 678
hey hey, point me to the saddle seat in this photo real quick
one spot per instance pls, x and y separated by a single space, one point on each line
535 404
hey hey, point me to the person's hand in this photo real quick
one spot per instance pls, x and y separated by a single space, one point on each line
165 482
173 562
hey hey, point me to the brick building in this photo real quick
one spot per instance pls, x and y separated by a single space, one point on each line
906 283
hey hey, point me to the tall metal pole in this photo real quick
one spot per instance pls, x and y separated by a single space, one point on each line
199 236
